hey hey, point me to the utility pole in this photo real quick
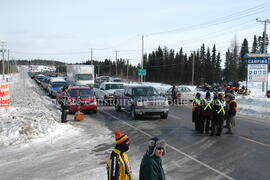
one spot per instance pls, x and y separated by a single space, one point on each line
142 55
8 62
127 67
92 56
193 59
266 21
3 44
116 62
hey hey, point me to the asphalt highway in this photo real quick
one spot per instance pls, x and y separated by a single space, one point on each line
243 155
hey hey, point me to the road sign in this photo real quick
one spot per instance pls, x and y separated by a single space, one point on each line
142 72
4 95
257 69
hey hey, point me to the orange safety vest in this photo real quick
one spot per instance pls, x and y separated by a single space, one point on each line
229 105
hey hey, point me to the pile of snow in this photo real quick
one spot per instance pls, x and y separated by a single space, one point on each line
162 88
38 68
256 104
30 115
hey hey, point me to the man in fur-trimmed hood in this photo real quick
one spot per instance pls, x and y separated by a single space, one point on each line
151 164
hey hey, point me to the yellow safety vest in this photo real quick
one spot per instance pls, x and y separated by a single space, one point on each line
222 109
124 167
208 105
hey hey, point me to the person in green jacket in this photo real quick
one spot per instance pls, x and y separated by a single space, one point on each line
151 164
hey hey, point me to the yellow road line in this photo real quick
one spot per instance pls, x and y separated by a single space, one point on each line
257 142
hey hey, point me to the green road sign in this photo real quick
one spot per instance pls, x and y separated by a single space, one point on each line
142 72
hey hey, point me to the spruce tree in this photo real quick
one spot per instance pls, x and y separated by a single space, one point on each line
242 71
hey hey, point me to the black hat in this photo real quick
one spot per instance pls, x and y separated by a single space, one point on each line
207 94
154 143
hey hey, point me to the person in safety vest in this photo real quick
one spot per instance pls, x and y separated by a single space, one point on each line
219 109
151 164
196 111
118 167
232 109
206 113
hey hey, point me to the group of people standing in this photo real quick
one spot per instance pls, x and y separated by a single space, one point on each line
209 114
118 167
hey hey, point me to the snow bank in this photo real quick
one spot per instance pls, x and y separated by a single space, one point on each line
30 114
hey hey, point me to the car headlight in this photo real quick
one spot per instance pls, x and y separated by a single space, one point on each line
140 103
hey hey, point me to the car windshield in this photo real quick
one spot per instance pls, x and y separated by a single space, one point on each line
58 84
81 92
117 80
104 78
114 86
84 77
145 91
183 89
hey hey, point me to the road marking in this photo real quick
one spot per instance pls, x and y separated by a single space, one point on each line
256 121
177 150
257 142
176 117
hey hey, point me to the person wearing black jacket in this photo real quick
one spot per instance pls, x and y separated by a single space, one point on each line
174 95
206 113
151 164
219 109
64 104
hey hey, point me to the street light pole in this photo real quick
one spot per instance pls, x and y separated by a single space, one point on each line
3 58
142 55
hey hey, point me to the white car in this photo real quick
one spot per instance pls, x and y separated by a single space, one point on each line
106 90
183 93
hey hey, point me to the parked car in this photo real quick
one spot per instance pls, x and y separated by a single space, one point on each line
141 100
102 79
81 97
183 94
106 90
55 85
268 93
113 79
38 78
45 83
233 87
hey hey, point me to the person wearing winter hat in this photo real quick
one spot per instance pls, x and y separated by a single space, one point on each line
118 167
151 164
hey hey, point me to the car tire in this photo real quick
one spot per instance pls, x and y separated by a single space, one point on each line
164 116
133 113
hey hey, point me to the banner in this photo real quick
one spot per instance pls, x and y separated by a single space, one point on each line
4 95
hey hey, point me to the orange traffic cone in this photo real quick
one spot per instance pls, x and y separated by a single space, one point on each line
79 116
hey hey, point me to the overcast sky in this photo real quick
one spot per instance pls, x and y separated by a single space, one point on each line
65 30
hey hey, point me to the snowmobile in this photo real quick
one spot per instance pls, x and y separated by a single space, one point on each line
244 91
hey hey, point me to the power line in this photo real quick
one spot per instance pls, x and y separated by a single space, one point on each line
224 19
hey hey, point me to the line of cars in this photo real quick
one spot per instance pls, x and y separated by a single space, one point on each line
138 100
78 97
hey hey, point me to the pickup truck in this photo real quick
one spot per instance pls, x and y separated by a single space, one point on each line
141 100
106 90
